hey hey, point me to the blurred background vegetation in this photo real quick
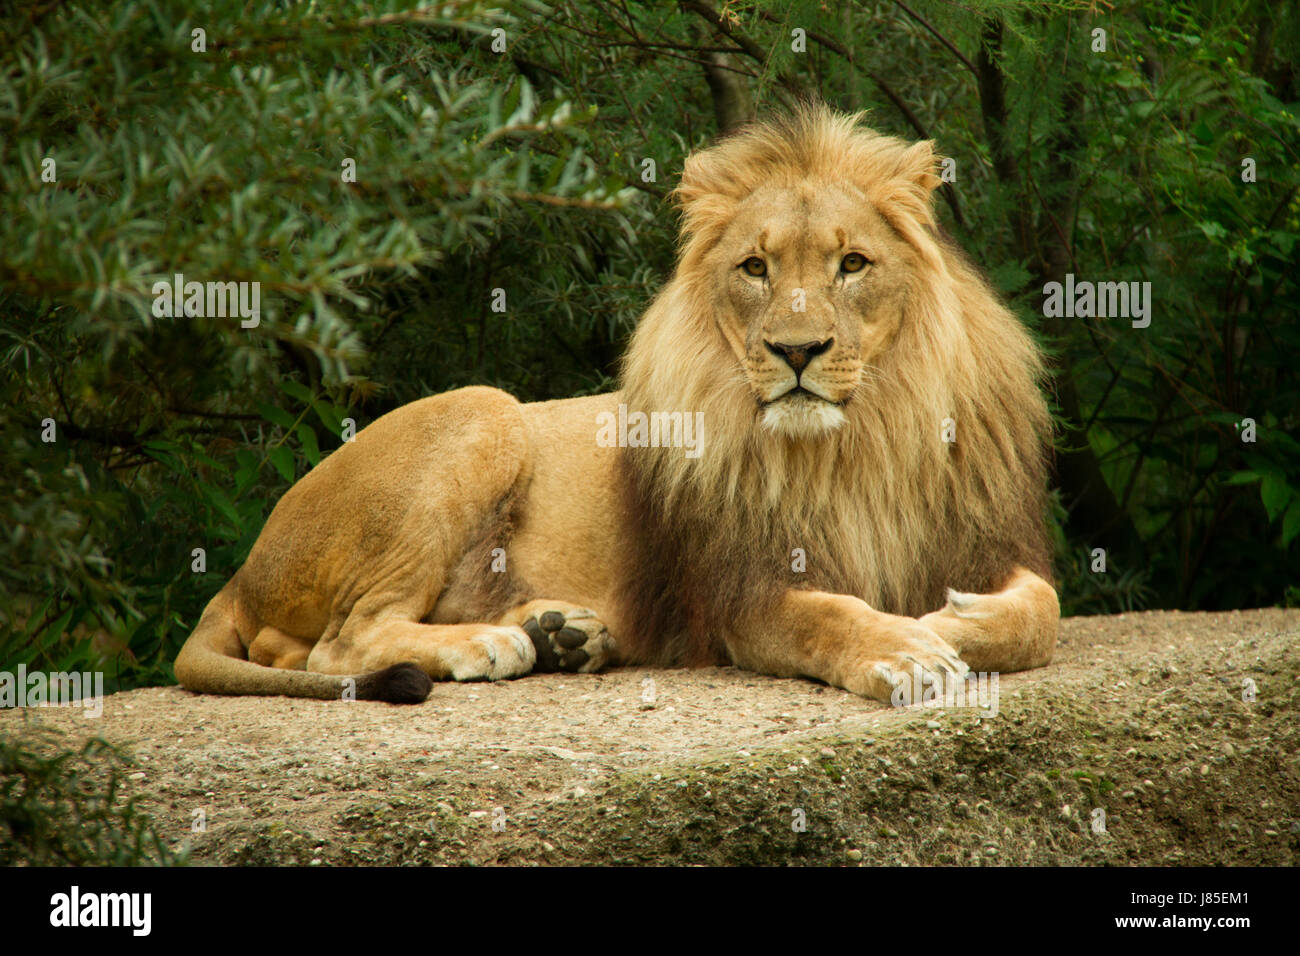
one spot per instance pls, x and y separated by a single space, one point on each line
504 146
66 802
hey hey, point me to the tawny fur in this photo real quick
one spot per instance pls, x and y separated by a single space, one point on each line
451 527
885 509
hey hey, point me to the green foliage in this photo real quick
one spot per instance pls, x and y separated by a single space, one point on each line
65 807
520 172
1180 108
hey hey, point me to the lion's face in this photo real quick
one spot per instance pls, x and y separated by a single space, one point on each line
810 281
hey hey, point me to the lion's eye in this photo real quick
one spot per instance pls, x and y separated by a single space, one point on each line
853 262
754 266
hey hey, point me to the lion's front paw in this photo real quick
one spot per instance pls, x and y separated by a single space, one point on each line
568 638
913 665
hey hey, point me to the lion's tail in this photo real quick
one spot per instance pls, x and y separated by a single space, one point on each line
213 662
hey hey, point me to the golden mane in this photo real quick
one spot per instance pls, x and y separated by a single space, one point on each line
883 508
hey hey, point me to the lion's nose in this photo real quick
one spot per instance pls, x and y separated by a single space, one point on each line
798 356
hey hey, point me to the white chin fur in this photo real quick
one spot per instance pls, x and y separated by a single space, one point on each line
799 417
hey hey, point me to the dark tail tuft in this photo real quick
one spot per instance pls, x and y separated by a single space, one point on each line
399 684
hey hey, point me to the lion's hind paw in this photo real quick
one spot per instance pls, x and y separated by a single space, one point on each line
569 638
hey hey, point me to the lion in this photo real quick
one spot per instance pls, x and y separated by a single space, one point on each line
827 459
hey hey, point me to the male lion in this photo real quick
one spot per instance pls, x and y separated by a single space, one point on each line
873 437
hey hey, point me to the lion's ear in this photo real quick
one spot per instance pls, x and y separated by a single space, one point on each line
704 196
699 178
907 194
906 198
920 166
